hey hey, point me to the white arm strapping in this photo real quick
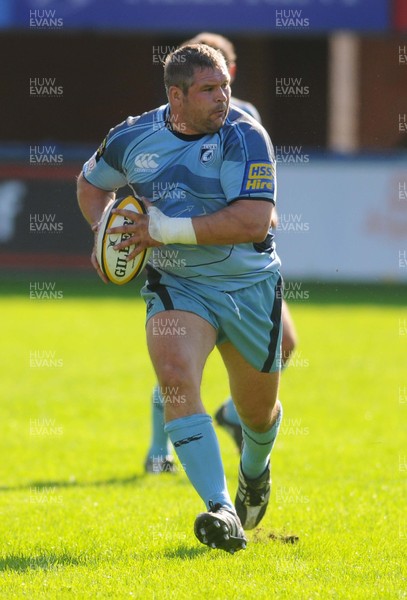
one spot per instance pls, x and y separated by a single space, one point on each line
170 230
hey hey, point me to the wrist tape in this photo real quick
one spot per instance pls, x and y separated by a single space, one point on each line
170 230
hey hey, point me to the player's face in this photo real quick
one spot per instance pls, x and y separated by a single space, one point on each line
205 107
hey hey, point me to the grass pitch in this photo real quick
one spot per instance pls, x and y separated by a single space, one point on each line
79 519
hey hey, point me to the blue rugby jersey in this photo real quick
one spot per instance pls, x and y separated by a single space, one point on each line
193 175
247 107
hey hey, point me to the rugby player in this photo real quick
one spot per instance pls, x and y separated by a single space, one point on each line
225 290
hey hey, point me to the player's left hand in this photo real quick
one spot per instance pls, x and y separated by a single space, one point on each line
94 260
137 230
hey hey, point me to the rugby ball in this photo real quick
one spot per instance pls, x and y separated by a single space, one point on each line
113 262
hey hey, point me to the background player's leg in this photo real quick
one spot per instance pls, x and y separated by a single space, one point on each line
159 458
179 361
289 339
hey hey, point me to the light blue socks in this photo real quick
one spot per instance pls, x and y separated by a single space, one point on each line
159 443
197 447
257 448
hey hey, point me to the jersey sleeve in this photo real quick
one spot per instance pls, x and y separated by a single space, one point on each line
249 168
247 107
104 168
252 110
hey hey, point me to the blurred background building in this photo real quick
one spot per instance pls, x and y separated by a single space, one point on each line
329 78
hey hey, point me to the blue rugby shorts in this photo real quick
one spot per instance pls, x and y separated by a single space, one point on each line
249 318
